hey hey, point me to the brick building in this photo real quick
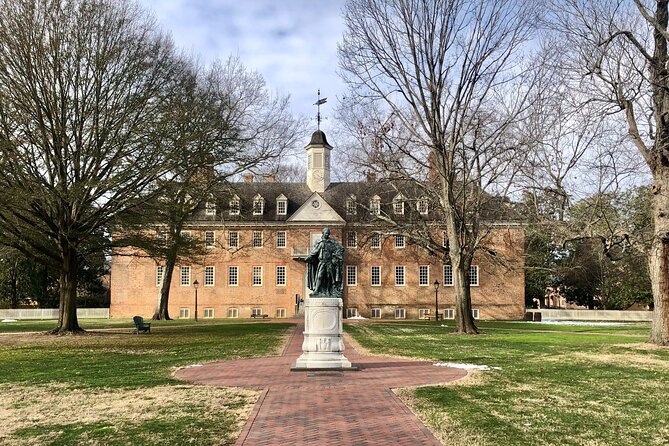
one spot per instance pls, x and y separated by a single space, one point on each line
258 234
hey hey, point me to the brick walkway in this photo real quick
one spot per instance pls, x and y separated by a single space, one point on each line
330 407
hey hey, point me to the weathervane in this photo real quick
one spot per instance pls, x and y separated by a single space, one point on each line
318 103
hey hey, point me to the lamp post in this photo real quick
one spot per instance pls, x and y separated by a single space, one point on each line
436 300
195 285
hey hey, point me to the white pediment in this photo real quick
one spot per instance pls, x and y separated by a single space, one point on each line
316 209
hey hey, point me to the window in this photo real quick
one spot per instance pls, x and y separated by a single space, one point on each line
449 313
233 275
448 275
233 312
209 239
184 313
210 208
280 312
257 239
475 313
376 276
400 313
399 241
375 241
351 312
257 276
351 275
398 205
281 239
444 239
209 276
351 239
233 239
160 275
234 205
258 205
208 313
473 275
423 313
375 205
185 234
423 275
281 276
376 313
161 236
351 205
399 276
281 205
185 276
256 311
421 206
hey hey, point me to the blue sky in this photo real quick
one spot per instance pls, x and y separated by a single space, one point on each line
292 43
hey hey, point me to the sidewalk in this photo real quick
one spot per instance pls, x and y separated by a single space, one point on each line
327 407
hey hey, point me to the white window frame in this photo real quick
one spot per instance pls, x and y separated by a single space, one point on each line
210 208
476 313
400 242
449 313
279 204
351 239
403 276
256 275
236 239
181 275
422 206
186 233
375 313
375 241
211 275
351 269
473 275
278 275
160 275
233 313
398 206
208 313
371 275
351 312
258 205
447 274
423 313
426 276
280 313
257 240
281 236
400 313
184 313
231 276
209 243
351 205
375 205
256 311
444 239
235 205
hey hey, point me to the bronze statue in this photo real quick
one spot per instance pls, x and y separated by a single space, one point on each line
325 267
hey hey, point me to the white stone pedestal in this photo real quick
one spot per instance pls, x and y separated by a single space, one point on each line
323 344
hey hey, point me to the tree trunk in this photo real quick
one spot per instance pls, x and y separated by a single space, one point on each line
658 261
67 315
464 320
162 312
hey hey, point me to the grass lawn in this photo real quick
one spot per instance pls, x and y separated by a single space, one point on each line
572 385
116 388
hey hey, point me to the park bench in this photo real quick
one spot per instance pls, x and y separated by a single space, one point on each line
264 316
140 325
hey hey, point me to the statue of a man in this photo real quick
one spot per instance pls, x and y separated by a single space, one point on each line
325 267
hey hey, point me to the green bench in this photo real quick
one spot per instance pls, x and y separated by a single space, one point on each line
140 325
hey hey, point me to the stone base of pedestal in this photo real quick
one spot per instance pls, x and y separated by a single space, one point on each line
323 346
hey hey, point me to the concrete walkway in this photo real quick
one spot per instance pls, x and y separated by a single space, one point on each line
329 407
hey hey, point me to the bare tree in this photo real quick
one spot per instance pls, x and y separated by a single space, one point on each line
620 59
448 86
82 89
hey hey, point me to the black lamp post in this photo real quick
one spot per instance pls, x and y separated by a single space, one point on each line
436 300
195 285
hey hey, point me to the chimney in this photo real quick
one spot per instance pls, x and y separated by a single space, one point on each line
270 178
248 177
371 177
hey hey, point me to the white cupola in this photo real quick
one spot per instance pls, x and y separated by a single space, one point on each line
318 162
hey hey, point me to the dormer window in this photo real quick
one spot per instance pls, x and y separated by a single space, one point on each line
234 205
210 206
375 205
421 206
398 204
281 205
351 205
258 205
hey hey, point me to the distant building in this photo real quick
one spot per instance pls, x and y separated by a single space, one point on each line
259 233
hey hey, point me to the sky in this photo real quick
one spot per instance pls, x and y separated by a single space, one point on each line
292 43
